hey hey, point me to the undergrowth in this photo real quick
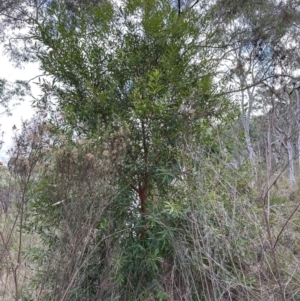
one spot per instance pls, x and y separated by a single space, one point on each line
214 235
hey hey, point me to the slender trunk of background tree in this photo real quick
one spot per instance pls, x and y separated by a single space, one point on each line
269 149
246 101
287 120
298 147
291 160
292 118
246 124
298 124
268 163
270 131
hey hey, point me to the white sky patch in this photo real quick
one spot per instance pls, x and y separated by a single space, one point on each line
22 111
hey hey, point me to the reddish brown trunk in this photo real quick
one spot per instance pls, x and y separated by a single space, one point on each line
142 192
143 198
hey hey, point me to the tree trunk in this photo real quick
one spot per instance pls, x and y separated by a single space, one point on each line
246 125
291 160
298 124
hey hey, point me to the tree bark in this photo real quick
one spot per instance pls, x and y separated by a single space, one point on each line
291 160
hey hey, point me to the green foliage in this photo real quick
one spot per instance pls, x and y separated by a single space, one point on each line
138 189
137 71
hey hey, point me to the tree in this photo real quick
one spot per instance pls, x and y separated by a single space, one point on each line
136 72
260 43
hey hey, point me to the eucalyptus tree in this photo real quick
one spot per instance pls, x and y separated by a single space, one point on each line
260 38
284 121
281 103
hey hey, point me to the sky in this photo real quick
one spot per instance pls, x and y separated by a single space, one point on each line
20 112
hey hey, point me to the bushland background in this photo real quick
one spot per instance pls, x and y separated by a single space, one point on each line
162 159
